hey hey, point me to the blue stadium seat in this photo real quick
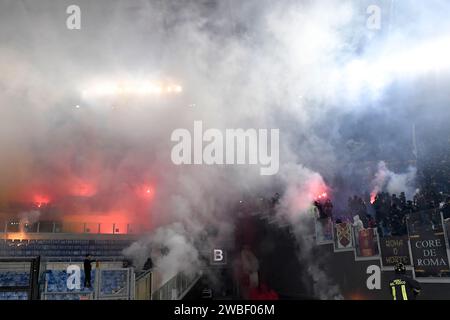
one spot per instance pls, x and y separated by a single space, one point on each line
14 278
57 281
63 248
13 296
112 281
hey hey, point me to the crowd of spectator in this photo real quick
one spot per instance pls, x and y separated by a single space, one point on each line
388 212
324 208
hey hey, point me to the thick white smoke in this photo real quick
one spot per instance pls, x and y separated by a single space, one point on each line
395 183
171 247
290 65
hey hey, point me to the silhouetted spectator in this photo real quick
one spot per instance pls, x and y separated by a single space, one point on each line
402 199
408 208
148 264
371 223
395 201
446 209
87 271
328 208
275 199
319 207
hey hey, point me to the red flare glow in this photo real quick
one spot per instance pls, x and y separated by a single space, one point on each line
323 195
41 200
146 191
373 195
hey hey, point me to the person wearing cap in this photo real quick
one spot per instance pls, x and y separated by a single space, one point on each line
403 287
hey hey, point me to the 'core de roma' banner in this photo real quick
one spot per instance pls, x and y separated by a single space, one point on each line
394 249
428 248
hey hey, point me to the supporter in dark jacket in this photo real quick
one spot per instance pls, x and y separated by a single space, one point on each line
446 209
371 223
402 199
87 271
328 208
395 201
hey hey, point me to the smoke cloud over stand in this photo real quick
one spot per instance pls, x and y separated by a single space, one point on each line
311 69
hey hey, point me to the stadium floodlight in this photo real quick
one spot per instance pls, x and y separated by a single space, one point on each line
130 88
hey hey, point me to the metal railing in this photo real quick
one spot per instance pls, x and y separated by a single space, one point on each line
17 226
175 288
144 286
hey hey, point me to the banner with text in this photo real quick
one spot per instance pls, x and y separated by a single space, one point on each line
428 247
394 249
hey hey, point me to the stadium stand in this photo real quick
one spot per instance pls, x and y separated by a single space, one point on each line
34 265
62 248
113 282
19 278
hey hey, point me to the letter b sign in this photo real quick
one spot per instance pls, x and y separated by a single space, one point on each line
218 257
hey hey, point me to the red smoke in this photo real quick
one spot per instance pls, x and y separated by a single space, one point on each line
82 189
86 200
263 293
300 195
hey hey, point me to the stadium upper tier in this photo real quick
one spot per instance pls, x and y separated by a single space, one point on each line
17 226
